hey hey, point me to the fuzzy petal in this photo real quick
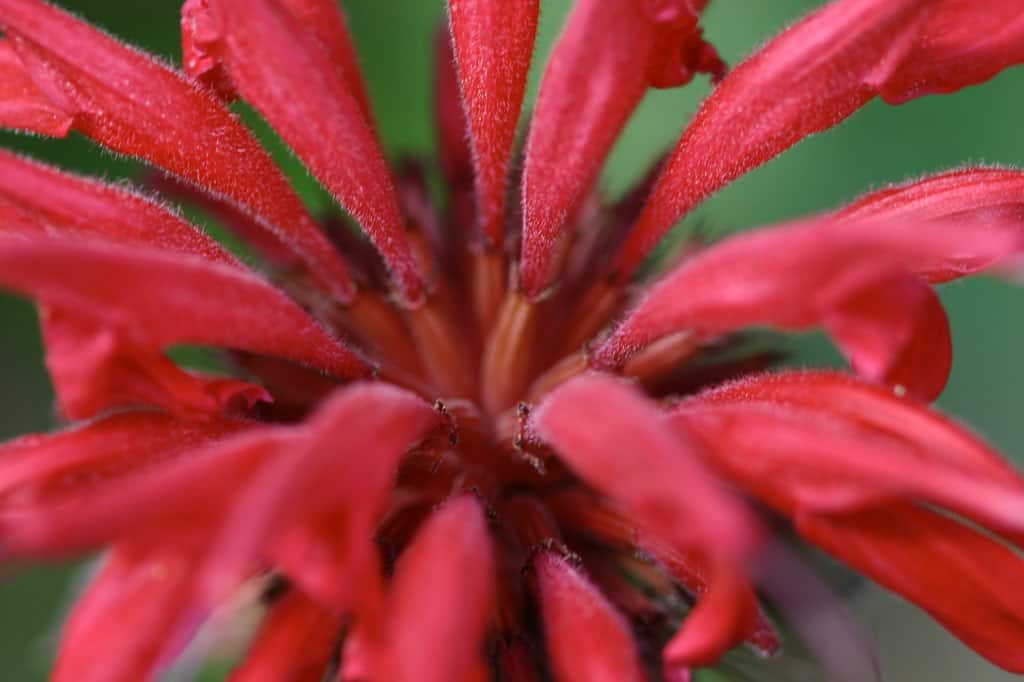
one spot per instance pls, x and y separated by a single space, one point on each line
609 54
281 68
493 43
37 467
586 639
967 194
331 469
806 80
295 643
93 370
22 105
798 461
867 406
443 593
154 300
964 43
39 198
117 631
956 574
134 105
616 440
850 277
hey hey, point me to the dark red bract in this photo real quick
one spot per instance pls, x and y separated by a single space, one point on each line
475 445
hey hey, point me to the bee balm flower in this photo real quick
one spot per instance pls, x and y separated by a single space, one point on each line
480 446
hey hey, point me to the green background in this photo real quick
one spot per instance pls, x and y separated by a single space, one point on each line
880 144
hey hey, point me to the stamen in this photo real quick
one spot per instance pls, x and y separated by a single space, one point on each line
568 367
592 312
662 356
374 319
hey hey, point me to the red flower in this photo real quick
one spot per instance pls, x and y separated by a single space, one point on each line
453 455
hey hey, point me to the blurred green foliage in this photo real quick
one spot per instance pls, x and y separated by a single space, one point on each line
878 145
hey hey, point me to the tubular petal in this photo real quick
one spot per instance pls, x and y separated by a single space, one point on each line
798 462
154 300
35 197
34 468
956 574
493 44
139 589
587 639
962 45
280 67
331 470
134 105
443 592
849 277
616 440
22 105
94 371
295 643
867 406
806 80
967 194
609 54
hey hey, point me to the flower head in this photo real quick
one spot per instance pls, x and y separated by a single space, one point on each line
478 443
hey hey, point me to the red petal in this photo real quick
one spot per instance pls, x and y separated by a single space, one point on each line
586 639
493 46
94 371
119 629
806 80
38 198
801 461
867 406
609 53
154 300
961 577
820 272
617 441
965 43
126 499
594 422
332 470
896 332
38 467
280 67
130 103
295 643
442 598
452 128
968 194
22 105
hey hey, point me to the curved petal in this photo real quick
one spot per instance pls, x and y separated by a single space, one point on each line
134 105
279 66
442 598
871 407
806 80
964 43
296 642
956 574
118 630
493 44
849 277
800 461
94 371
972 195
22 105
617 440
38 198
609 54
586 639
37 467
154 300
